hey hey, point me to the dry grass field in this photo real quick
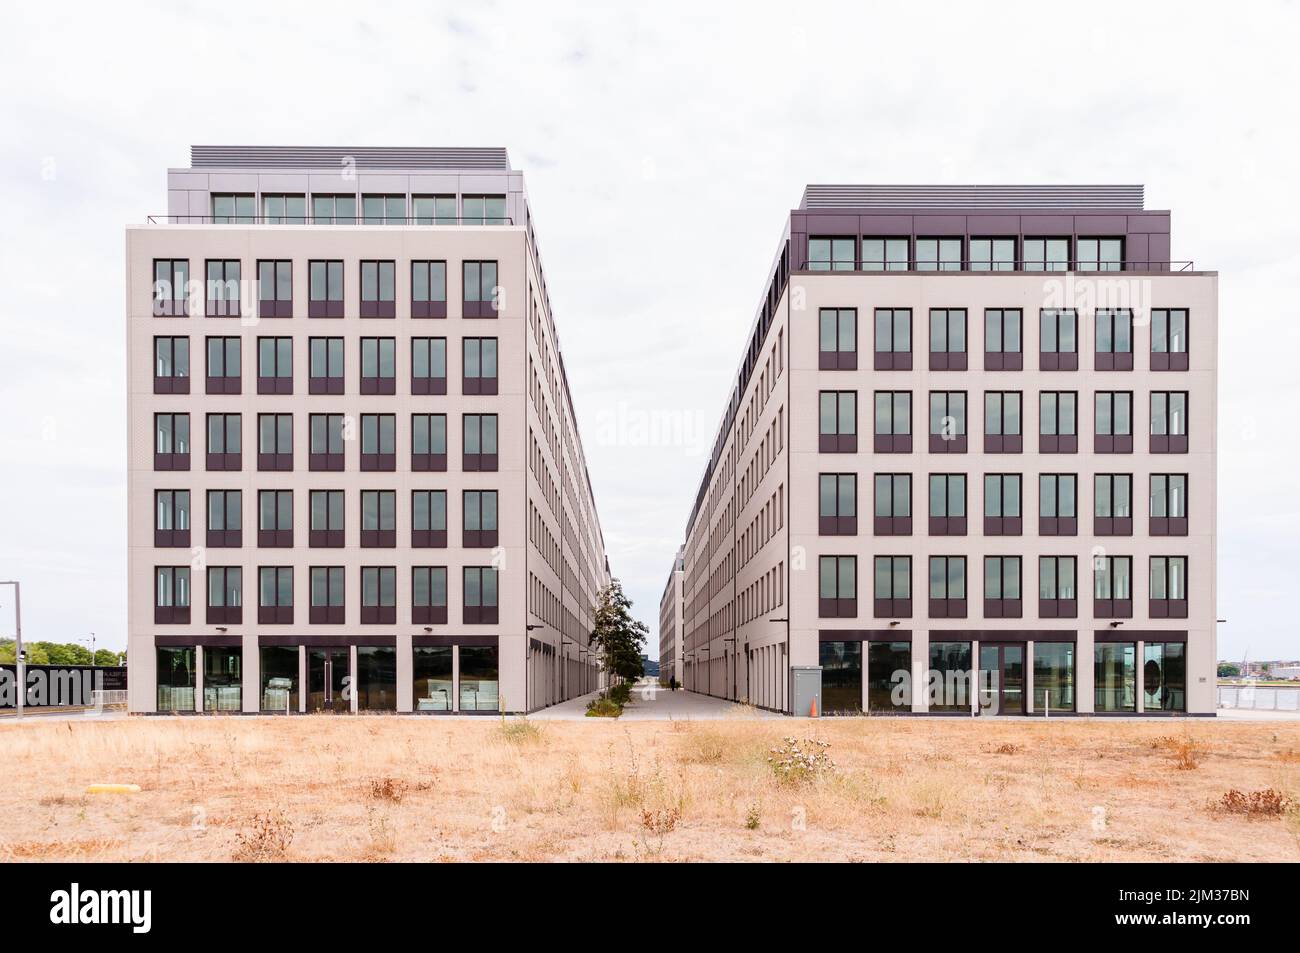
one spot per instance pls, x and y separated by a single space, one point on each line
404 789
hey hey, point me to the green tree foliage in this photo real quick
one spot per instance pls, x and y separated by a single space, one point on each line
616 637
58 653
1228 670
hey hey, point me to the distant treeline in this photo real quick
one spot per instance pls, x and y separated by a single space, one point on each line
58 653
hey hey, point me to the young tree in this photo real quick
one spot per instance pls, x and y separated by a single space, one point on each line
615 636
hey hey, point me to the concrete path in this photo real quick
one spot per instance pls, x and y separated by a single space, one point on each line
651 703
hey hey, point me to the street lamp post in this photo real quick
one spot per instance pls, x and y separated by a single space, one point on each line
19 655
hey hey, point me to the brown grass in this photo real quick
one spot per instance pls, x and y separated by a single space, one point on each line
406 789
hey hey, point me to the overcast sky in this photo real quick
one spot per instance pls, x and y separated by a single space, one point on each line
662 148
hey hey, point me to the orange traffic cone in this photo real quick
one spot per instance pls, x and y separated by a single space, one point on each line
812 709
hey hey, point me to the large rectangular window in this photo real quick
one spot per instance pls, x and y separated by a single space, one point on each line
1164 676
429 595
428 442
223 290
1054 676
275 289
376 678
378 518
1169 339
480 595
1047 254
379 365
1058 340
479 678
832 254
838 421
171 287
327 595
171 595
950 676
893 339
1058 596
1003 339
1169 504
1114 339
947 504
1002 510
889 676
171 448
1113 422
279 670
1169 421
275 595
481 297
274 518
948 339
222 374
171 365
841 664
1003 412
429 518
1100 254
484 210
1114 676
275 442
948 421
174 674
938 254
378 289
378 442
224 450
837 506
434 210
431 671
893 421
326 519
225 595
1169 587
837 587
479 366
1058 495
1112 504
326 450
429 289
1002 589
275 365
378 595
893 509
383 209
893 587
992 254
838 339
884 254
325 373
334 209
428 365
1058 421
325 289
1112 581
479 442
225 519
480 518
171 526
232 209
947 587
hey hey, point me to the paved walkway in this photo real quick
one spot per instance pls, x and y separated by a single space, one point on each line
651 703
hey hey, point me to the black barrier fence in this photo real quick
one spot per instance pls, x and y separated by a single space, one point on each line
59 686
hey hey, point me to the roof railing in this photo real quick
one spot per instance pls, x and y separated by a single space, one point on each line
968 266
326 220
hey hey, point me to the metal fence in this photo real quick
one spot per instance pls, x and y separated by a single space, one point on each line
1260 698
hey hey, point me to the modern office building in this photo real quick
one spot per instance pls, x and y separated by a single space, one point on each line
670 624
968 463
393 505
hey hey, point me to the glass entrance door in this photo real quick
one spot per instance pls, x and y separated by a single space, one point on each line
329 674
1002 678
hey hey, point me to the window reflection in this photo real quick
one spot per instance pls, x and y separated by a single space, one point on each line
841 664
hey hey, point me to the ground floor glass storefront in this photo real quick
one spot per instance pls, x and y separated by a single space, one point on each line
431 669
1115 677
1054 676
376 678
950 676
1164 676
479 678
889 676
175 678
223 678
841 664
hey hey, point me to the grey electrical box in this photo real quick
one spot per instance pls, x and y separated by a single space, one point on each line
805 689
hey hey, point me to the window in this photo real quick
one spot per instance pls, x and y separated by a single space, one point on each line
171 444
275 289
428 365
326 451
171 287
279 678
1058 596
938 254
325 374
893 514
334 209
1002 421
378 595
1169 587
224 451
838 421
1002 504
1054 675
1058 495
429 518
1114 340
893 587
1169 504
837 504
223 365
1003 337
1115 676
379 365
171 595
992 254
1112 504
222 678
947 339
478 677
383 209
480 366
326 527
1100 254
275 365
1164 676
275 595
1058 430
225 595
1168 421
222 288
950 676
428 442
429 288
171 365
837 587
378 442
429 607
893 422
376 677
378 289
434 209
233 209
947 587
1002 599
1047 254
1112 579
484 210
1113 422
841 664
325 289
174 673
171 525
378 518
327 589
883 254
481 295
831 254
889 667
893 339
480 518
225 519
1058 339
838 347
274 518
1169 339
480 603
947 504
947 421
479 442
284 209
